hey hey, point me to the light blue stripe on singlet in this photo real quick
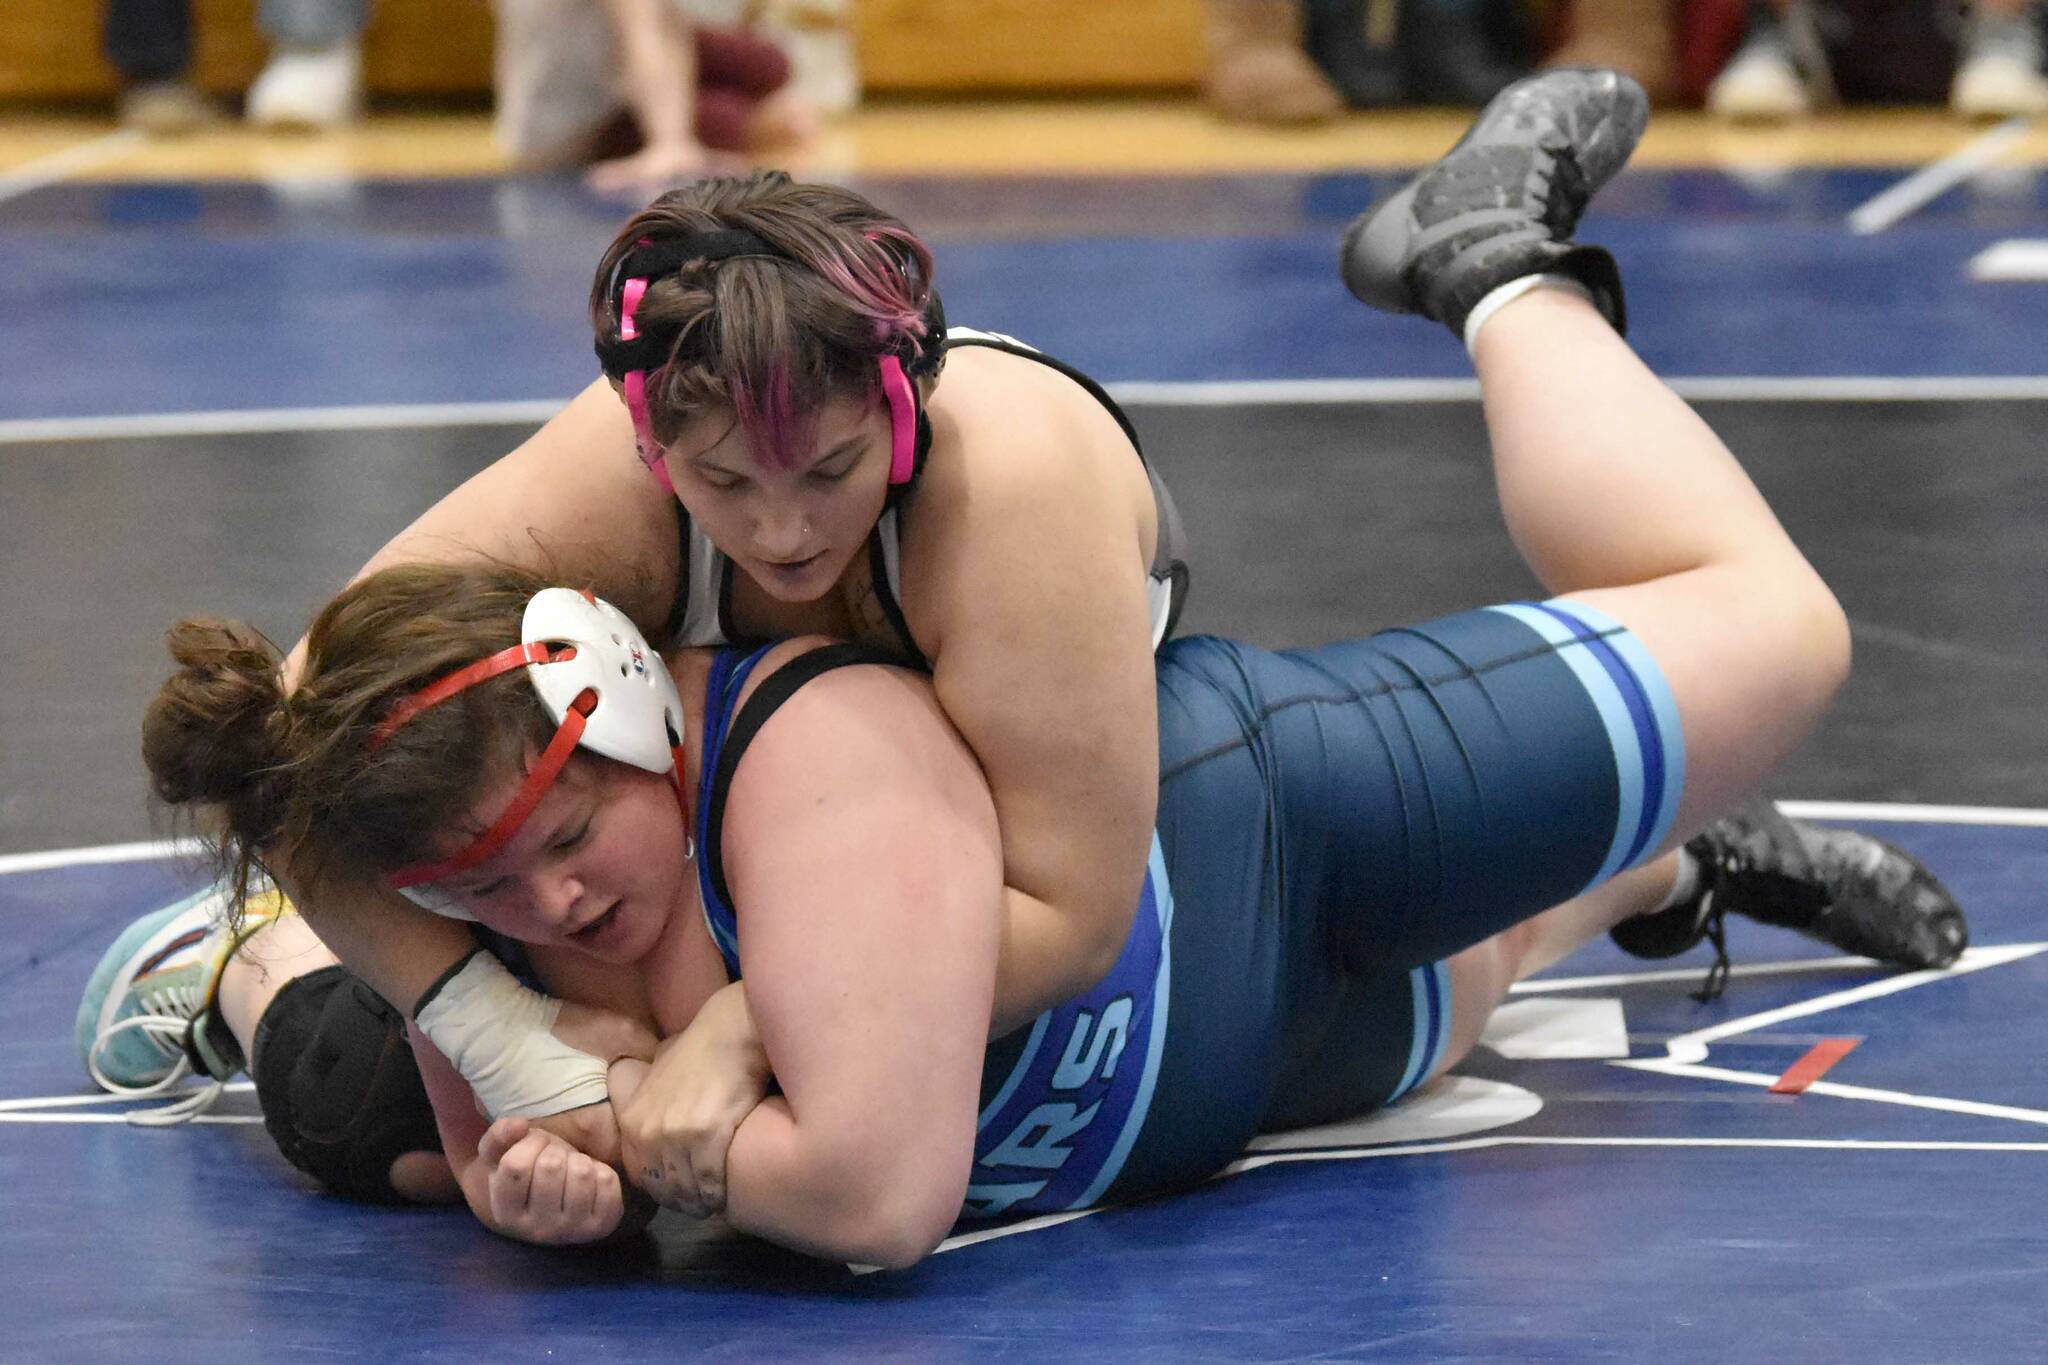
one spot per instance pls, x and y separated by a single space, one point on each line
1430 991
1663 705
1597 639
1641 818
1141 1103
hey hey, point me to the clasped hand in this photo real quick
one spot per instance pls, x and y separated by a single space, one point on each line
678 1116
552 1180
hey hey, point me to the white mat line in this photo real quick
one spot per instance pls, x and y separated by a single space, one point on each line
122 1118
1698 388
1510 1140
1692 1047
968 1239
271 421
1912 814
1607 981
1252 1163
1839 1090
102 1097
1249 393
153 851
1935 179
62 165
2015 258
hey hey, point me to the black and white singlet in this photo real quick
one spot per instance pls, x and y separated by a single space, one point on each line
702 612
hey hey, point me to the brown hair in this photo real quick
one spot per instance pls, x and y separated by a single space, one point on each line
773 337
290 781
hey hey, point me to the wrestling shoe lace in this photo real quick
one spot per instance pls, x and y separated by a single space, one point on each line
1845 888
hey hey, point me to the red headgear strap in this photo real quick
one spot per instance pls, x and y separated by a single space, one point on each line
538 780
434 693
545 769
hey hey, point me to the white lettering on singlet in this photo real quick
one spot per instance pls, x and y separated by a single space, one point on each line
993 1201
1043 1139
1076 1071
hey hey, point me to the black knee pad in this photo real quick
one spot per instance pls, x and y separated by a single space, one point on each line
340 1090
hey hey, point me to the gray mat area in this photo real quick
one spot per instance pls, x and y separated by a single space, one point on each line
1309 523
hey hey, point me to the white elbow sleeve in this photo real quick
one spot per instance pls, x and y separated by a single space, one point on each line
497 1034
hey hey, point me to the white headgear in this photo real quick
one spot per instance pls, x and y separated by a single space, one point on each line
606 690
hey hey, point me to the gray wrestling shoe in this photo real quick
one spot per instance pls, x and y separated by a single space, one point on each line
1503 202
1856 892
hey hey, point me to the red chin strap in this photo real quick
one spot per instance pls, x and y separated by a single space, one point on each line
539 778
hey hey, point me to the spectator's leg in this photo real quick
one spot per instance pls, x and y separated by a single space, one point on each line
150 43
723 117
745 92
1453 52
1631 36
736 59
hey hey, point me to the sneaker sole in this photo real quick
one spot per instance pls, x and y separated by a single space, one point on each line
1613 104
131 954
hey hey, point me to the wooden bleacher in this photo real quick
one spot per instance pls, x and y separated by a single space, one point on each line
50 53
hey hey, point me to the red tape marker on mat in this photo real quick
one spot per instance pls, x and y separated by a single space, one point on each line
1814 1065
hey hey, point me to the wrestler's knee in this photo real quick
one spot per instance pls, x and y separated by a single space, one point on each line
341 1093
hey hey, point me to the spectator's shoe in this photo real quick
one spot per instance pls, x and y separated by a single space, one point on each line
316 89
1503 202
1858 893
1763 82
166 109
146 1019
1998 73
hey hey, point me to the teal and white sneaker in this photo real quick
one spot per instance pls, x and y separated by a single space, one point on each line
136 1022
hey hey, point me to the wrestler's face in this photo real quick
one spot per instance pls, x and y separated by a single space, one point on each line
794 530
598 866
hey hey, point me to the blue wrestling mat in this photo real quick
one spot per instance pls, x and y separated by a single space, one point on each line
1533 1207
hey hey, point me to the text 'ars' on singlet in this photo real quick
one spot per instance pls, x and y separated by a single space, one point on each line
1063 1101
701 615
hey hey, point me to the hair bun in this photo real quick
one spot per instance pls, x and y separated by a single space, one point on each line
210 734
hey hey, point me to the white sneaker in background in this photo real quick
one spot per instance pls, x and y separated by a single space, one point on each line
166 109
1761 83
317 89
818 37
1998 70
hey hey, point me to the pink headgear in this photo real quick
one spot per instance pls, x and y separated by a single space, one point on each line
629 359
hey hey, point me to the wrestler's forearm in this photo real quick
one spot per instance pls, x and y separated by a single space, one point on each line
787 1186
1041 963
400 952
660 57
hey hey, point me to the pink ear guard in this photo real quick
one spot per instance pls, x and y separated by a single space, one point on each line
630 357
903 416
634 385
